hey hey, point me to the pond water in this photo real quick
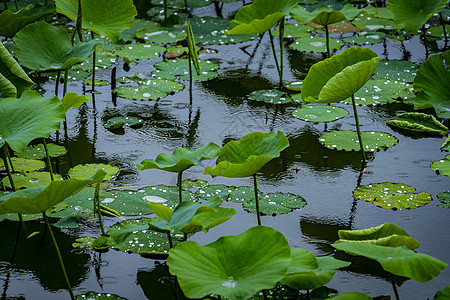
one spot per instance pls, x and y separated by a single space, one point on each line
219 112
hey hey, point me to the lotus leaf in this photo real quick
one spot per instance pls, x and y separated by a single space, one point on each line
175 16
180 3
328 81
130 34
30 179
242 194
98 82
142 241
32 217
294 31
392 195
13 79
445 199
322 15
41 46
70 222
432 81
374 24
38 152
411 15
306 272
105 17
119 122
190 217
161 36
399 261
446 145
200 269
99 296
73 100
438 31
12 22
365 38
86 171
192 51
379 91
43 117
140 51
273 204
442 167
396 70
211 191
169 69
260 16
103 61
418 122
193 183
319 113
245 157
316 44
351 296
387 234
21 164
347 140
211 31
149 89
74 74
270 96
442 294
38 199
181 159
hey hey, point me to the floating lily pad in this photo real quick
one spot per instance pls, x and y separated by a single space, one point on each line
442 294
294 31
32 217
74 74
130 34
396 70
193 183
140 51
83 242
103 61
242 194
445 199
98 82
174 15
365 38
21 164
319 113
38 152
392 195
29 180
270 96
316 44
180 3
119 122
379 91
276 203
86 171
347 140
211 191
170 69
438 31
351 296
374 24
149 89
99 296
442 167
160 36
295 86
418 122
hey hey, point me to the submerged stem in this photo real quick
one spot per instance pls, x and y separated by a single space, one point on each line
424 31
17 5
180 194
276 59
94 58
255 186
441 17
8 171
165 9
49 162
355 112
61 263
281 49
394 287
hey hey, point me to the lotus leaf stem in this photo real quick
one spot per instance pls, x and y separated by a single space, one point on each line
66 76
8 171
190 73
275 57
5 5
327 35
180 190
58 253
94 58
441 17
47 157
282 22
394 287
17 5
169 237
255 186
355 112
186 5
58 78
165 9
79 21
424 31
98 208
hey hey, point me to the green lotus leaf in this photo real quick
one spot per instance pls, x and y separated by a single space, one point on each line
38 152
399 261
21 164
365 38
12 22
160 36
140 240
337 78
325 15
316 44
99 296
130 34
442 294
270 96
192 49
442 167
438 31
41 46
245 157
347 140
140 51
189 183
83 242
211 31
13 79
149 89
32 217
306 272
273 204
294 31
374 24
351 296
418 122
396 70
201 270
74 74
104 17
190 217
43 117
387 234
180 3
431 81
319 113
260 16
412 14
98 82
86 171
103 61
392 195
212 191
175 16
73 100
119 122
38 199
181 159
445 199
30 179
242 194
169 69
446 145
70 222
